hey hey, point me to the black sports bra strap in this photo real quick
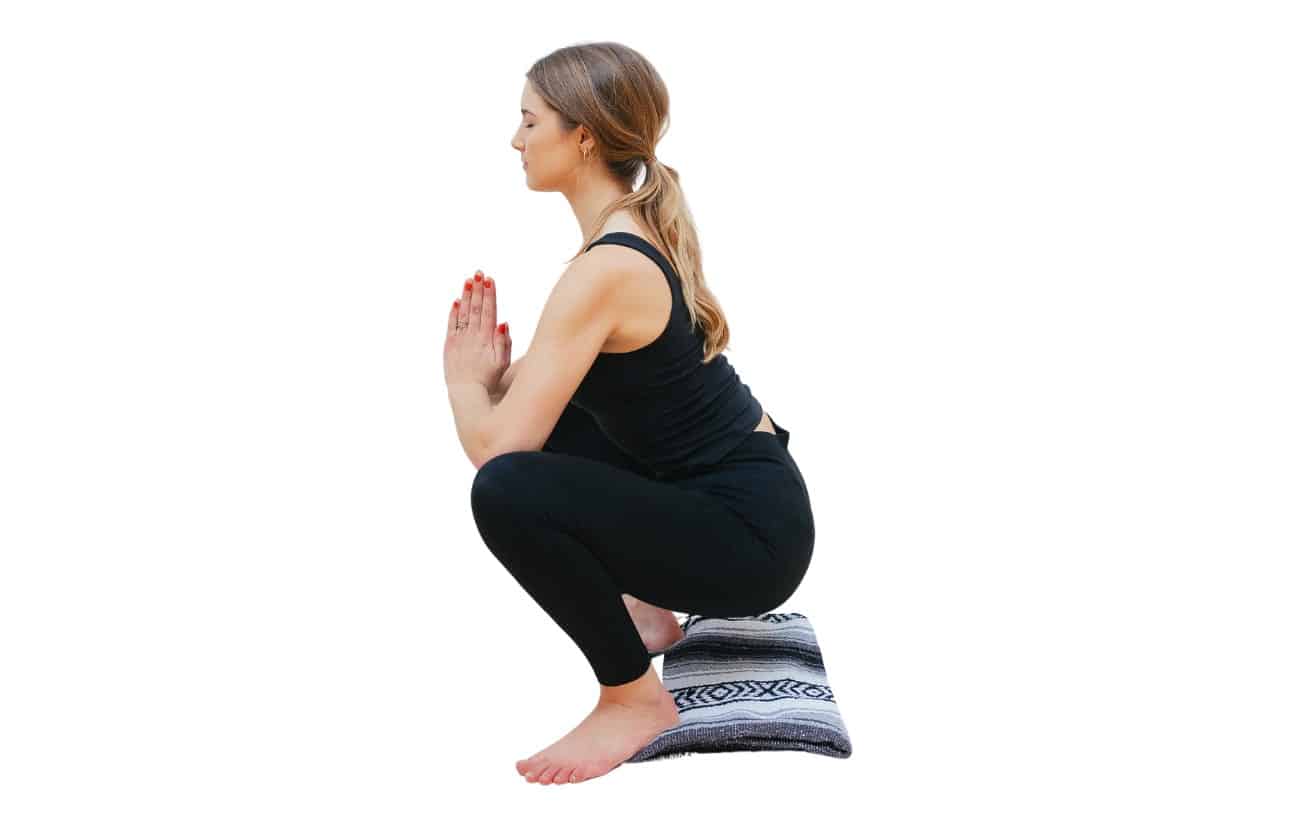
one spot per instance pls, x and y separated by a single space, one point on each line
635 242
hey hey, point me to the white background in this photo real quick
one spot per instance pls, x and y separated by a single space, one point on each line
1018 277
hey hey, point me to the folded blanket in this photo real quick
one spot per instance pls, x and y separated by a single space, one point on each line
749 684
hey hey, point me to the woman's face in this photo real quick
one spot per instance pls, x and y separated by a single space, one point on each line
548 153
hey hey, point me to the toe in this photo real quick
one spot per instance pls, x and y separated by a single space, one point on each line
562 775
529 769
532 764
548 774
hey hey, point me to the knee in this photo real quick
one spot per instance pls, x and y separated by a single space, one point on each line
498 483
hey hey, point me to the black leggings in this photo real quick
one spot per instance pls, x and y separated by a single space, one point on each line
579 523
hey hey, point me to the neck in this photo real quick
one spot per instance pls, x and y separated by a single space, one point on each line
591 197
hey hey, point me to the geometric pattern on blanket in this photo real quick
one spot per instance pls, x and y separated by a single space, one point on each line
749 684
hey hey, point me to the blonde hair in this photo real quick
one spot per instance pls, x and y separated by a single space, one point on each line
619 96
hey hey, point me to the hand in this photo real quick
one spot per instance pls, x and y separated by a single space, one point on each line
479 350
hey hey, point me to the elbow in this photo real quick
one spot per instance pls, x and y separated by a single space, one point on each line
480 449
486 450
490 452
481 454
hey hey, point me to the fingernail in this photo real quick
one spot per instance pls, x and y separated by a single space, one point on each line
478 276
488 283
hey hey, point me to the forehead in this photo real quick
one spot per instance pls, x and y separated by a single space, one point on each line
530 102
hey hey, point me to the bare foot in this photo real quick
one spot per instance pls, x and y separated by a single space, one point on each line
658 627
613 731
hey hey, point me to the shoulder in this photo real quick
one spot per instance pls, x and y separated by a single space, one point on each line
632 262
603 269
587 292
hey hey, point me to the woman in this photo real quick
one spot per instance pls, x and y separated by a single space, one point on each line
624 470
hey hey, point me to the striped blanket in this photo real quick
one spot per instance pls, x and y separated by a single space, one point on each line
749 684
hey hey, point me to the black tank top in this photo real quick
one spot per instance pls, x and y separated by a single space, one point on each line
660 403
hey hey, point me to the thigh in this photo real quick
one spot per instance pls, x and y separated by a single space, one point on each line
673 547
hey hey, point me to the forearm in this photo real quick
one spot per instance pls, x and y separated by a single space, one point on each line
471 405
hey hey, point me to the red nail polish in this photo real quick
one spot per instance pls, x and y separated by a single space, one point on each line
487 284
501 329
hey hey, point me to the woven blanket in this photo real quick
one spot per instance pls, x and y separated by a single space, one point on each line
749 684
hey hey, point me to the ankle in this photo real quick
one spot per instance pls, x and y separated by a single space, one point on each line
647 690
